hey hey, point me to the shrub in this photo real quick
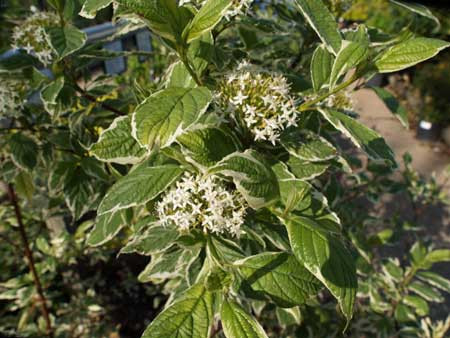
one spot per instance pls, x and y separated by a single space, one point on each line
224 169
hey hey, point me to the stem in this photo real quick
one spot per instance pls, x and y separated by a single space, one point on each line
307 105
215 330
94 100
185 60
30 260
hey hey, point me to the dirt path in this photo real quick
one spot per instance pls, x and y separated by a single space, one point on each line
426 158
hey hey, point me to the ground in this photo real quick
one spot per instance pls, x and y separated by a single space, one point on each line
428 158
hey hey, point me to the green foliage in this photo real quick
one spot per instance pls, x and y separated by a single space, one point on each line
225 168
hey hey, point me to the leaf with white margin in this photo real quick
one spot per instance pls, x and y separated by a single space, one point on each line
323 22
205 145
350 55
139 187
116 144
409 53
91 7
419 9
278 276
156 238
178 76
253 177
237 323
190 316
106 227
24 151
308 146
321 65
50 93
169 264
303 199
326 258
164 17
209 15
67 40
305 170
365 138
394 106
165 115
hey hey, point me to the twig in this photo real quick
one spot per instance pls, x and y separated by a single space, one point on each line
104 105
216 329
30 259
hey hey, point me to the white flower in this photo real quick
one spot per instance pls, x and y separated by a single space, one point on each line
260 99
205 202
32 37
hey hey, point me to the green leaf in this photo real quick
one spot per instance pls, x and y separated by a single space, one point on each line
139 187
24 151
404 314
323 22
304 199
252 176
437 256
106 227
426 292
308 146
67 40
305 170
326 258
350 55
206 18
18 60
321 65
288 317
227 251
116 144
169 264
420 305
394 106
239 324
434 280
24 184
367 139
278 276
154 239
205 145
160 119
361 35
217 279
190 316
200 54
418 9
409 53
79 192
91 7
50 93
179 76
164 17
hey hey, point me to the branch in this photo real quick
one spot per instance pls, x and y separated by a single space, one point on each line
30 259
104 105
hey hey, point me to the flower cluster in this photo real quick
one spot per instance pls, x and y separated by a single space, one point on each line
260 99
32 37
203 201
341 100
237 7
11 96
